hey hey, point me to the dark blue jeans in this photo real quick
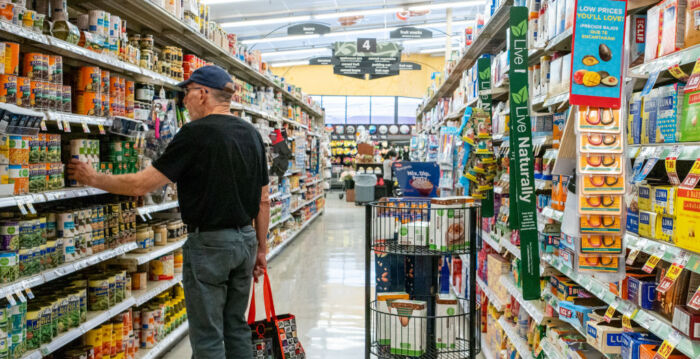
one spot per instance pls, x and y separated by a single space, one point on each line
216 275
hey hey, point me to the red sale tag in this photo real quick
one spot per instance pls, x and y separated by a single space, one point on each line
694 80
695 300
664 351
678 73
672 171
651 264
693 177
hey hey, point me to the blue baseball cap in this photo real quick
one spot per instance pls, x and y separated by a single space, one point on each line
210 76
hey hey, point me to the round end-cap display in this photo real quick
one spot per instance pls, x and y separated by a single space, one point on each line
372 129
404 129
383 130
339 129
350 130
393 129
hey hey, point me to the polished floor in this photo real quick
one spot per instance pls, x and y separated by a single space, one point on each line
320 278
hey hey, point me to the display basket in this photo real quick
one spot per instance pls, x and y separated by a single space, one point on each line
415 227
408 329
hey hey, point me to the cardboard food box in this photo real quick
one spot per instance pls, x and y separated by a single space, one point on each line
651 46
631 341
634 129
687 320
644 197
575 311
497 266
632 222
675 295
606 337
647 224
414 233
672 26
449 222
642 291
692 23
669 101
650 114
446 309
664 200
648 351
688 219
409 330
665 225
567 289
688 129
384 322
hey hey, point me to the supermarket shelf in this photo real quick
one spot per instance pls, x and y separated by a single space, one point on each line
495 244
485 350
510 247
495 301
280 221
550 350
49 196
689 151
645 318
291 172
668 251
294 123
557 100
561 42
518 342
307 203
258 112
141 258
8 30
154 288
492 37
77 119
63 270
147 210
497 93
316 181
682 57
150 17
275 251
165 344
552 214
533 307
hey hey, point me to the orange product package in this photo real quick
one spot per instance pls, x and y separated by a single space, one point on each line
23 92
8 89
88 103
89 79
105 106
105 81
19 176
12 58
33 66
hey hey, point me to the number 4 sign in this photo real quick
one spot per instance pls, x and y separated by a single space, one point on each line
366 45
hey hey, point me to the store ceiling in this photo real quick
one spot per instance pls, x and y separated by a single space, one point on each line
262 25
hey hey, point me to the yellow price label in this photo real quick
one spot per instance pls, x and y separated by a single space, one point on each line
664 351
626 323
651 264
674 271
696 167
101 128
610 312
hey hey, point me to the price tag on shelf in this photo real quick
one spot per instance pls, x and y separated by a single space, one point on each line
43 125
651 81
632 256
101 128
694 80
626 323
66 126
678 73
664 351
59 124
611 311
670 164
86 128
693 177
638 164
20 205
29 292
11 299
31 208
651 264
695 300
21 296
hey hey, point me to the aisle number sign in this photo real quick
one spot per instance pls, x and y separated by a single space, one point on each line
522 189
598 46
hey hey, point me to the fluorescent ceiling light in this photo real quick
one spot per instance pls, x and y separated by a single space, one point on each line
295 52
289 63
215 2
446 5
276 20
432 51
333 15
280 38
437 40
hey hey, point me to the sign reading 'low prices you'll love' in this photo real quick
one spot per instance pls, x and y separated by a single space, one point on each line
597 51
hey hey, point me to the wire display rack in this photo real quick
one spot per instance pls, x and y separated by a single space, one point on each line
414 246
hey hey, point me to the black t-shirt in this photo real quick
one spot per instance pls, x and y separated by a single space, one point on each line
220 167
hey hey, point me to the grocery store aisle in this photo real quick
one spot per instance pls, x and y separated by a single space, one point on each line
320 278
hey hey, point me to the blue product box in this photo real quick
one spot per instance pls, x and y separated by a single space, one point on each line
389 272
567 242
636 118
632 222
642 292
576 311
632 340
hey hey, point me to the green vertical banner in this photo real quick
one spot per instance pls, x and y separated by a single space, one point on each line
522 185
483 66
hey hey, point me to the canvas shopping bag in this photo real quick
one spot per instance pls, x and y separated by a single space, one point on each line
274 337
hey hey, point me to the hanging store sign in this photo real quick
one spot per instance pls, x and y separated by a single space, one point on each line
348 61
409 66
325 60
596 56
408 32
483 66
308 29
522 188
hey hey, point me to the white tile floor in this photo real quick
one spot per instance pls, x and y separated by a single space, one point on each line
320 278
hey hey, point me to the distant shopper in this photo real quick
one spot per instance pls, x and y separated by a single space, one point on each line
387 173
218 162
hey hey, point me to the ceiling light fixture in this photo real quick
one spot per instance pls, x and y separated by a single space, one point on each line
275 20
280 38
446 5
432 51
333 15
216 2
289 63
295 52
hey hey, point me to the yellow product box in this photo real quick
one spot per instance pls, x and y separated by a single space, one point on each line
384 320
688 219
647 224
664 200
664 227
644 197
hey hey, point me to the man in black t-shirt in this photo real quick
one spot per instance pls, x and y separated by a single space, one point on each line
218 162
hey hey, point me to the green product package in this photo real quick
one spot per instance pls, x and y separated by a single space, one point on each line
688 128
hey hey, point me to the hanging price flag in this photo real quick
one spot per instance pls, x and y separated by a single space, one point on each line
651 264
43 125
30 294
664 351
59 124
671 169
21 296
634 252
610 312
86 129
693 177
66 126
678 73
695 300
101 128
671 275
11 299
626 323
694 80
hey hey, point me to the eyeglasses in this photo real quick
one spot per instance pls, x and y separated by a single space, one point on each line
600 116
600 181
596 139
188 89
598 160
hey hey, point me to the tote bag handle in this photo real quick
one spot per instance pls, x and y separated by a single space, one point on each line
268 301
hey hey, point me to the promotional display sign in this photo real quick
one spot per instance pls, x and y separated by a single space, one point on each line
308 29
408 32
377 59
325 60
417 179
596 56
409 66
483 66
522 188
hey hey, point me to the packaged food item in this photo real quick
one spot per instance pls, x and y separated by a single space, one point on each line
8 89
688 128
600 204
692 23
600 163
24 92
88 103
647 224
89 79
601 142
665 225
604 120
673 26
603 224
12 58
634 129
19 176
664 200
653 34
603 184
34 66
650 114
637 38
410 316
598 243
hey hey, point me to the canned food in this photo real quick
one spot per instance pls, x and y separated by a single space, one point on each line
12 58
104 106
88 103
98 293
89 79
19 150
8 89
146 59
24 92
7 11
33 337
9 266
46 332
34 66
105 82
38 181
66 99
162 268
